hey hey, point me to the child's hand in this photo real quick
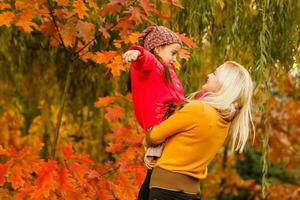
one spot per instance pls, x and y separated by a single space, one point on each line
131 55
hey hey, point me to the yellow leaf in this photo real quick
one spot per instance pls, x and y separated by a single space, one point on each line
177 65
6 18
221 3
80 8
117 43
132 38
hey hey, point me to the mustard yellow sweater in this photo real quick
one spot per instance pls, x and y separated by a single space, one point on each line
192 137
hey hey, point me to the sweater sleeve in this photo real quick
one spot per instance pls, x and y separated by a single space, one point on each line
182 120
146 61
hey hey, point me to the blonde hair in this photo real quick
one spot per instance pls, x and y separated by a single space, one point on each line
233 101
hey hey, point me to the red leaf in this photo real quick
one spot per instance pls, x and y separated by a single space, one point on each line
140 173
3 170
46 174
83 159
79 172
47 179
68 151
66 187
103 191
114 148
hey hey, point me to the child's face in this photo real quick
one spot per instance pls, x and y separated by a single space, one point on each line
213 84
168 52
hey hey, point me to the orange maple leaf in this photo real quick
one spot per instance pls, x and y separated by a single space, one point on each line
110 9
104 101
188 41
136 14
4 5
24 21
148 6
6 18
80 8
20 5
62 2
85 30
104 57
124 24
184 53
114 114
116 66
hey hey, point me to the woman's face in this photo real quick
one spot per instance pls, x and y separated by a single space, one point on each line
168 53
212 84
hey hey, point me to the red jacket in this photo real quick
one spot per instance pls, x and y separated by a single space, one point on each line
150 90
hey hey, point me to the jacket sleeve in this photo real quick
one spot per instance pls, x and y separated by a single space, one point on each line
180 121
146 61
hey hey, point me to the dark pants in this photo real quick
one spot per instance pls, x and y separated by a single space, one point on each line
162 194
144 191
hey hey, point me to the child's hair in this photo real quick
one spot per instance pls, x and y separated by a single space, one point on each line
233 101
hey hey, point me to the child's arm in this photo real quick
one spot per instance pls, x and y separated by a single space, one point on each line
141 59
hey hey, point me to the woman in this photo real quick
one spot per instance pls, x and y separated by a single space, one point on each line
195 133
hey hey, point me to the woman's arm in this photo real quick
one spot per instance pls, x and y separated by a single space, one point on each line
182 120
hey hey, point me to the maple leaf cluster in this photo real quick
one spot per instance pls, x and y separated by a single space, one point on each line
76 176
79 26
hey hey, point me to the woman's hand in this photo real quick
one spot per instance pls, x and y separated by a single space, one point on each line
145 144
131 55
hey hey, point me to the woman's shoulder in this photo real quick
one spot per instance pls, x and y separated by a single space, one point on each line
200 107
194 105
